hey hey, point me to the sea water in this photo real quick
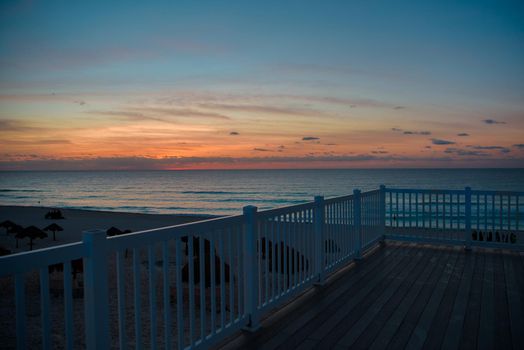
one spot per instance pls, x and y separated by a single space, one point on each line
225 192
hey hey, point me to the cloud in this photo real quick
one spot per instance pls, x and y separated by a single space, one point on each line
441 142
462 134
234 133
399 107
182 112
492 121
35 162
310 138
80 102
417 133
37 142
158 114
261 150
519 145
12 125
409 132
462 152
379 152
261 109
495 148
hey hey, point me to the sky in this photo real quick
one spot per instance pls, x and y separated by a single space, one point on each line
111 85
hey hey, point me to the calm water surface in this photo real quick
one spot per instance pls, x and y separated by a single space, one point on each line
225 192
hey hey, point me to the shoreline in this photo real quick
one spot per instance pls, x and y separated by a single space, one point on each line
77 220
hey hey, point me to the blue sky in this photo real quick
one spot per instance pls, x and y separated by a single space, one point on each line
443 66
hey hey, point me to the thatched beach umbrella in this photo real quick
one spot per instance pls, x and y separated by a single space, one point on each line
53 228
31 232
16 229
7 224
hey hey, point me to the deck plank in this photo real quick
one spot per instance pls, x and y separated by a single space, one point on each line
406 276
379 338
423 327
329 317
455 324
407 295
437 329
472 317
486 338
502 324
515 308
271 338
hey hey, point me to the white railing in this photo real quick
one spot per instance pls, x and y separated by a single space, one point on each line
184 286
189 286
478 218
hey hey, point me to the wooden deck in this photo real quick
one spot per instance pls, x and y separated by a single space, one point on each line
406 296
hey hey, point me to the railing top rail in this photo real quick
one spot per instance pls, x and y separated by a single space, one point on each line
172 232
436 191
338 199
369 193
284 210
28 261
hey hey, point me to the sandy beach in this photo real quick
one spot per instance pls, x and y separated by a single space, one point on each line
75 221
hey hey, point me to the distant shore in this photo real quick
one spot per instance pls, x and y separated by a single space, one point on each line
77 220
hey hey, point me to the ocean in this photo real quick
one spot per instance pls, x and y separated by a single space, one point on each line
225 192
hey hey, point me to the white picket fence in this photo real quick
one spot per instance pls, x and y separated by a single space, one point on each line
192 285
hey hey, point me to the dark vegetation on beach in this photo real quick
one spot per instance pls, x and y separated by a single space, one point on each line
504 237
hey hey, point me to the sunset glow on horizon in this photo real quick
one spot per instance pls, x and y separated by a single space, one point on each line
185 85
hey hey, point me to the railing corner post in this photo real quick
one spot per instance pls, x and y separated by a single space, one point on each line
467 195
96 289
383 211
319 221
357 217
251 278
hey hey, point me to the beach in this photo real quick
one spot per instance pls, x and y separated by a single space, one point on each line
75 221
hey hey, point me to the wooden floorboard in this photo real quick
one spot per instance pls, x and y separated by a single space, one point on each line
391 314
515 308
326 296
375 303
424 324
329 317
486 336
411 296
472 317
401 323
502 326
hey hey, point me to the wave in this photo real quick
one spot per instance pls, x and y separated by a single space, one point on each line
24 190
208 192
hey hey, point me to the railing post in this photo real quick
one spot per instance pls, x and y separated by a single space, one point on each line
383 211
96 289
467 195
320 245
357 216
251 278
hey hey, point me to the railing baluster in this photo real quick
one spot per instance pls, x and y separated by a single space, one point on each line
152 295
202 285
137 298
320 239
68 306
44 307
222 281
120 277
212 276
191 273
167 305
20 311
179 294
